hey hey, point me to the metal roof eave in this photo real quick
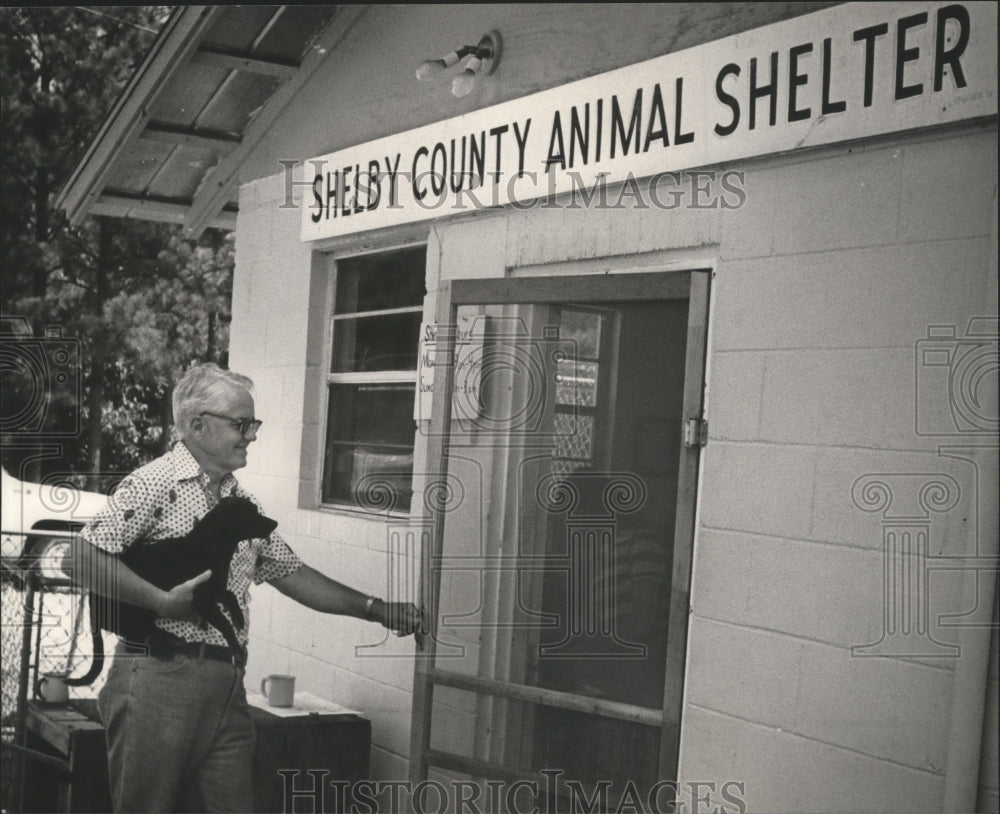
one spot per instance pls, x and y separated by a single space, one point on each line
182 43
175 44
211 195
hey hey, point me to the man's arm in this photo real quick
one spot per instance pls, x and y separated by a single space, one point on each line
309 587
103 573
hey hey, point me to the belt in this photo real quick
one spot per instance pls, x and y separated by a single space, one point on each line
166 650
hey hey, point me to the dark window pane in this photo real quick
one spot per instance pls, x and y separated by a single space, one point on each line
387 342
369 454
373 282
372 414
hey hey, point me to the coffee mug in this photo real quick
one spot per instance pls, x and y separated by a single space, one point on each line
52 689
279 690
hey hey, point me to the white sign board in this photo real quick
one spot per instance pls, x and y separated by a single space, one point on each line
846 72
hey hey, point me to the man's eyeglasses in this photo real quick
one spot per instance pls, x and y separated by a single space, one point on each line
243 425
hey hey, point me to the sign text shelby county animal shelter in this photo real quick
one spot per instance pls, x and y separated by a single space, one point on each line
843 73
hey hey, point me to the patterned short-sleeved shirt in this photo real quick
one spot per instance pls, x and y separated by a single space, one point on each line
164 499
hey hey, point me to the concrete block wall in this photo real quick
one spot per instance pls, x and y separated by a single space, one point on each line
826 280
353 663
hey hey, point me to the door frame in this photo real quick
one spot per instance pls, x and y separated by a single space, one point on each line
692 285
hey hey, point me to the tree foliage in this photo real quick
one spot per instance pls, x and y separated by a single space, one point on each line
62 69
139 302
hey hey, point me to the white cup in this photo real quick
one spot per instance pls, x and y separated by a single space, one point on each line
279 690
52 689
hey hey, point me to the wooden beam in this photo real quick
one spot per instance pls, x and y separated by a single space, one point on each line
160 210
240 61
215 188
122 205
174 45
546 697
693 405
225 220
218 140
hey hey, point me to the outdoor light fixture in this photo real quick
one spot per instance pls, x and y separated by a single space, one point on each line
482 59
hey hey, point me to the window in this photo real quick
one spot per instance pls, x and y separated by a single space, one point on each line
378 303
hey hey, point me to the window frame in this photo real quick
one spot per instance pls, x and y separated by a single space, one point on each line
387 377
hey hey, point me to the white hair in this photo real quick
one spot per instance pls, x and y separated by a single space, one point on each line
200 389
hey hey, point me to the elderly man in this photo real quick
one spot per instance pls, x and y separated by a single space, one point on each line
179 732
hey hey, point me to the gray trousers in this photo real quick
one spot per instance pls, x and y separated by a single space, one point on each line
180 736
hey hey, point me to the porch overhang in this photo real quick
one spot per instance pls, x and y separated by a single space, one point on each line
214 81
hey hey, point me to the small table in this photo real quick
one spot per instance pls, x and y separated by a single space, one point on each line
322 738
75 778
313 742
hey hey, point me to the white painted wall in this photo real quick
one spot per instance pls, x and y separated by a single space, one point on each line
826 280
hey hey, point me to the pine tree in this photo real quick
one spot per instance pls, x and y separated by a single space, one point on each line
108 286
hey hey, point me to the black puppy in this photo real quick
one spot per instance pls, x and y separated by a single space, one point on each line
167 563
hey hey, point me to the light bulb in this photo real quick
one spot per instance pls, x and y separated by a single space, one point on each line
430 67
463 84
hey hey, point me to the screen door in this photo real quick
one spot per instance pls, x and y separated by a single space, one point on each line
562 467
